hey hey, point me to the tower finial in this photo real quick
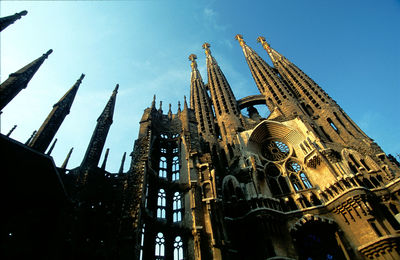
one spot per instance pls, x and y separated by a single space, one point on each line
179 106
239 37
103 166
264 43
12 130
52 147
160 109
6 21
153 103
192 58
121 168
30 138
64 165
206 46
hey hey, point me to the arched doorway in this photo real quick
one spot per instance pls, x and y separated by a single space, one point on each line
316 239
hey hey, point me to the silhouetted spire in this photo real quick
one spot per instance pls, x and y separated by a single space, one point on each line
64 165
54 120
96 144
103 166
6 21
12 130
153 103
52 147
200 101
121 168
30 138
19 80
170 112
160 109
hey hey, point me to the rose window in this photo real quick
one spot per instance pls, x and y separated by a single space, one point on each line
275 150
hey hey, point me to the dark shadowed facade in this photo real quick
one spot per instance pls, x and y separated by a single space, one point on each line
215 180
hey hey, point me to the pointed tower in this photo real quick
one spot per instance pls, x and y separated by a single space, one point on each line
276 92
96 144
332 120
6 21
200 103
19 80
225 105
54 120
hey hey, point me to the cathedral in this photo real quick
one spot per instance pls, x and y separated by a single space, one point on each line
206 182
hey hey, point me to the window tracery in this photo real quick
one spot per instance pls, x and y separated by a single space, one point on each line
161 204
175 168
275 150
177 207
298 177
178 248
160 246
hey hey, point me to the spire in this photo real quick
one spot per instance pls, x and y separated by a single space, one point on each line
30 138
19 80
314 100
96 144
12 130
160 109
54 120
64 165
179 106
268 82
225 105
103 166
52 147
6 21
121 168
200 101
153 103
169 111
185 106
303 86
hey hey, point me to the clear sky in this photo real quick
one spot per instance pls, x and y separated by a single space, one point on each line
350 48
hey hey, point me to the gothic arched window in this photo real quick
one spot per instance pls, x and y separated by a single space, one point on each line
176 207
160 246
296 174
161 204
162 172
178 248
175 168
276 182
305 180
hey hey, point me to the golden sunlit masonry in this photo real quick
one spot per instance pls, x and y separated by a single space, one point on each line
215 180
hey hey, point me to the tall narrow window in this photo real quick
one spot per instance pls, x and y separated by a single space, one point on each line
178 248
161 204
332 125
162 172
141 243
305 180
175 168
160 246
176 207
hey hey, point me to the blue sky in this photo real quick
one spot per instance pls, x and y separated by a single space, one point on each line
350 48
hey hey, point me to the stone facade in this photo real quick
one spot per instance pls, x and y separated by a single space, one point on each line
210 182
